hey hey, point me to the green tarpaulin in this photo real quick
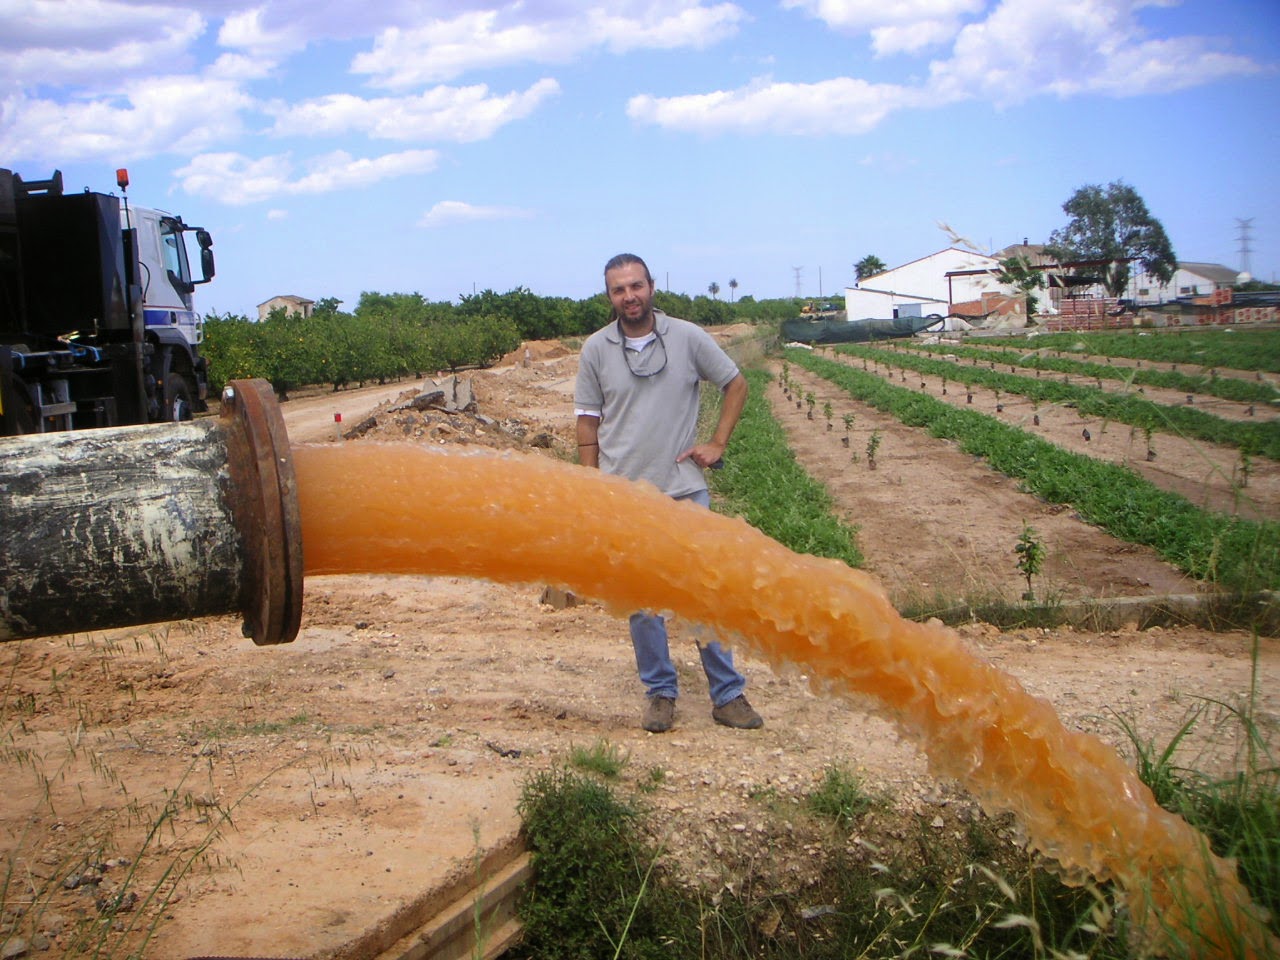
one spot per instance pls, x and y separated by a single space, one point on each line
839 330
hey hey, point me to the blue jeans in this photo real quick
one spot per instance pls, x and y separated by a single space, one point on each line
653 654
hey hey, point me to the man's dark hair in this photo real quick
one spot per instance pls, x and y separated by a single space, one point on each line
626 259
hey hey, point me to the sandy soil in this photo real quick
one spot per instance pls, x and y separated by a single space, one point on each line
299 794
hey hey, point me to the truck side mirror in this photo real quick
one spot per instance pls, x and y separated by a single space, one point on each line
206 264
203 238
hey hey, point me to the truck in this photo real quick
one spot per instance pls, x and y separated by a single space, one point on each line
97 323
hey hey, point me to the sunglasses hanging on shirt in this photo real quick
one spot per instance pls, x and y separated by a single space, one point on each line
626 355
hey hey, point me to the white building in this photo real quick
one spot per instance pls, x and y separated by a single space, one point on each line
936 283
1189 280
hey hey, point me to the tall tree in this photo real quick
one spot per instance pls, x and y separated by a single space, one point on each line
869 266
733 288
713 288
1112 223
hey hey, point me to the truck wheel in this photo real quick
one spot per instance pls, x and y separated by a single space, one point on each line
177 398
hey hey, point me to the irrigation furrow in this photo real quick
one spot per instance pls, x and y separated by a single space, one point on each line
1234 553
1214 477
938 526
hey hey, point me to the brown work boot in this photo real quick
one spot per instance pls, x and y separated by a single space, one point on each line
659 714
737 713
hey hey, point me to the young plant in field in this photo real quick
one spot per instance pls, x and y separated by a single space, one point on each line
810 399
1246 460
1030 551
848 425
873 444
828 411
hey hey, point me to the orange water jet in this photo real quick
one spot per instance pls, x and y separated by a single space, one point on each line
370 508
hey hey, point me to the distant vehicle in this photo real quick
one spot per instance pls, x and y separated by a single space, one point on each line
97 323
811 308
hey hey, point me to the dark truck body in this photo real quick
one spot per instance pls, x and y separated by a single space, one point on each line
80 345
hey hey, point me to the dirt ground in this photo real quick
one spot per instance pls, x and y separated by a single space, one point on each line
297 795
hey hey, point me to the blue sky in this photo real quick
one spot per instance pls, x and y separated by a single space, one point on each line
335 147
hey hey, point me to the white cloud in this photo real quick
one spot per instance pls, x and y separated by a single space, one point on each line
443 49
246 30
459 114
62 42
843 105
903 26
277 214
455 211
240 67
148 117
664 26
913 37
1027 48
1023 49
235 179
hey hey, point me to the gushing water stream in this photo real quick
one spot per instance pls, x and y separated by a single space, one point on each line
369 508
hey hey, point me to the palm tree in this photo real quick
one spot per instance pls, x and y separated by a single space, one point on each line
733 288
869 266
713 288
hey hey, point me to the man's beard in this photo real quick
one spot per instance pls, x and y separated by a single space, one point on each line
643 320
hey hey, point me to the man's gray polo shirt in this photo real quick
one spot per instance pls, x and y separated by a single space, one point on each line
646 422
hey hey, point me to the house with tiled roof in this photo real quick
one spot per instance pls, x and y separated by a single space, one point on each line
291 305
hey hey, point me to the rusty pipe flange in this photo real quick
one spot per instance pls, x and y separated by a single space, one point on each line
264 504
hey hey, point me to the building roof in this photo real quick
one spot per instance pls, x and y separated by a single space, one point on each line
287 296
1036 253
892 293
1210 271
970 253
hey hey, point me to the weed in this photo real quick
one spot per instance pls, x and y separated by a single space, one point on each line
841 797
602 757
599 891
592 896
1238 812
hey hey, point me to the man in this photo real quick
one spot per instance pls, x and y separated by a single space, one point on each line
636 401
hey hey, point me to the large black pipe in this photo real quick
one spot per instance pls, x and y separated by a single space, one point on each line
123 526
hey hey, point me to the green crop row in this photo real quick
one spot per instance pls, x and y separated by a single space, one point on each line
1260 438
762 483
1227 388
1232 553
1225 347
